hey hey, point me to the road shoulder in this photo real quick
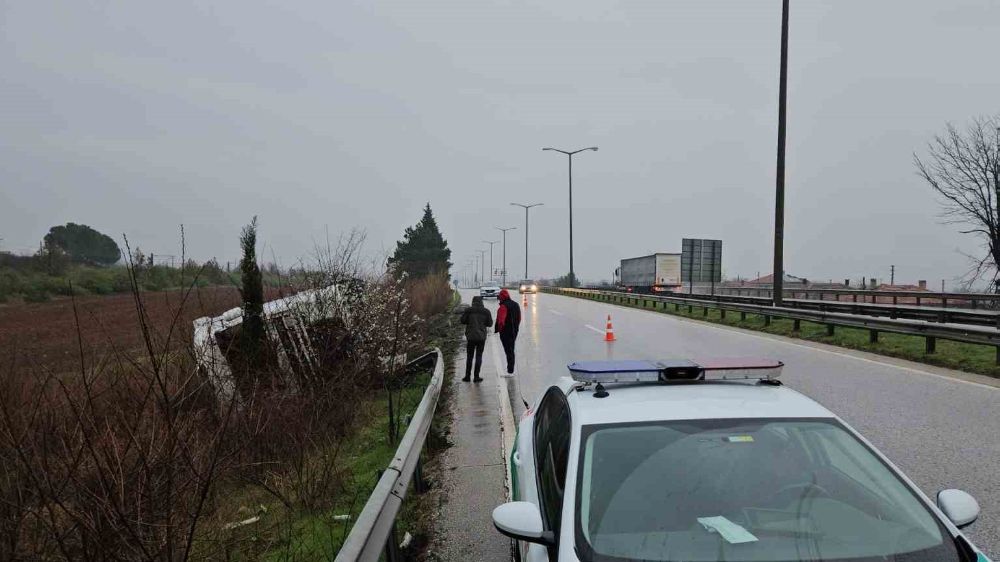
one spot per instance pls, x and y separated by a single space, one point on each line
472 472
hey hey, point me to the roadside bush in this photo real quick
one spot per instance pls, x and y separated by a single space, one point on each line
430 295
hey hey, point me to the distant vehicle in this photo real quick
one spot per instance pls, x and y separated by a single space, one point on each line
676 460
489 291
656 273
527 286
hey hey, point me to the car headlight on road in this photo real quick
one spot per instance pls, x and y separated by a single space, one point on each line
534 287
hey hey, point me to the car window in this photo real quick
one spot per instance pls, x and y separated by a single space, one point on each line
552 434
749 490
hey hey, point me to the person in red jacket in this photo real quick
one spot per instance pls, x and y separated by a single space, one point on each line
508 323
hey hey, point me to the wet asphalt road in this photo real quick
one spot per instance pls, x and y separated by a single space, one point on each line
943 432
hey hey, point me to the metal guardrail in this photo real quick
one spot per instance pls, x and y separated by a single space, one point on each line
972 300
374 531
893 311
930 331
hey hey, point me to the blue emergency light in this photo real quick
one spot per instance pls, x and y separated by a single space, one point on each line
665 370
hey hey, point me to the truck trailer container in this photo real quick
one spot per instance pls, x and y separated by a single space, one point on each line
656 273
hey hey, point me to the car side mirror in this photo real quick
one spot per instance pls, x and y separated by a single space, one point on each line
959 506
522 521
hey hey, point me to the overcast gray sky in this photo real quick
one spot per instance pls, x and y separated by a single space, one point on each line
135 117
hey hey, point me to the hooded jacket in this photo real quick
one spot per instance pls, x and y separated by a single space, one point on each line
508 316
477 320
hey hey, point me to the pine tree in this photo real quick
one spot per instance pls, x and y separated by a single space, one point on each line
422 251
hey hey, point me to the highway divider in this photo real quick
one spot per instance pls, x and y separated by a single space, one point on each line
977 317
970 300
930 331
374 531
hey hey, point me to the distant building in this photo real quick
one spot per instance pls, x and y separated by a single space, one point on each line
766 281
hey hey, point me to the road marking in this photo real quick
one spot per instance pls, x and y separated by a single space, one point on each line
598 330
507 425
783 340
556 312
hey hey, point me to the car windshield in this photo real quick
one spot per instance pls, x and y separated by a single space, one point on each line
748 490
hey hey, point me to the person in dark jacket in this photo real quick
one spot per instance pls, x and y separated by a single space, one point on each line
508 323
477 320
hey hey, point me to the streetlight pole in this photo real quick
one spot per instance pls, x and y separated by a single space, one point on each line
778 277
569 155
482 266
504 270
491 256
526 207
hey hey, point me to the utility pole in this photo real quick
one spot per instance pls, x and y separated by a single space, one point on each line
569 154
503 272
492 272
779 182
482 265
892 275
526 207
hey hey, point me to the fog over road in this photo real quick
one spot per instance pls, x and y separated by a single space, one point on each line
943 432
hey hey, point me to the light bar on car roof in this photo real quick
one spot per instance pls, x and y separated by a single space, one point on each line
674 370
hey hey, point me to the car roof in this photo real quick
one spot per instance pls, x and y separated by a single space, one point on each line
638 402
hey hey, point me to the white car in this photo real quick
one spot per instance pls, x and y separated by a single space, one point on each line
673 460
489 291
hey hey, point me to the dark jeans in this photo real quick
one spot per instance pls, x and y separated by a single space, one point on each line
474 348
508 349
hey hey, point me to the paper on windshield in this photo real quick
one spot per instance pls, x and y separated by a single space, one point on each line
731 532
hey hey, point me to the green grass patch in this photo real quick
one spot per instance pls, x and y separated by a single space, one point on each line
291 530
319 535
961 356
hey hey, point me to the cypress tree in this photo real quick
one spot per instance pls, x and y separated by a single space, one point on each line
422 251
252 293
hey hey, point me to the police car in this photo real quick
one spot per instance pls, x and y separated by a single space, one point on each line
711 460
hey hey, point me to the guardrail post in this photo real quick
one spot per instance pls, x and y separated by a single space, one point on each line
944 302
918 301
743 315
998 355
690 309
704 311
930 344
796 324
829 329
855 297
872 336
392 553
419 484
767 319
677 307
894 303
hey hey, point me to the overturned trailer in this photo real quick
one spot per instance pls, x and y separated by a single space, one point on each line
287 322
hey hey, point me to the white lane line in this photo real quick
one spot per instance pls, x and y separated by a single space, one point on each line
820 349
556 312
598 330
507 425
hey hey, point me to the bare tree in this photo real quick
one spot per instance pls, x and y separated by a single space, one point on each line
963 167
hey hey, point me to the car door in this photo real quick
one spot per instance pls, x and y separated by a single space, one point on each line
551 455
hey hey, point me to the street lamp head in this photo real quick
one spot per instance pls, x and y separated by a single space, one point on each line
594 148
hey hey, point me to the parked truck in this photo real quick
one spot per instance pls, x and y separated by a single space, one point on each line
656 273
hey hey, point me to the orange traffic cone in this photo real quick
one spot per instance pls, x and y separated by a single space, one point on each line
609 331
